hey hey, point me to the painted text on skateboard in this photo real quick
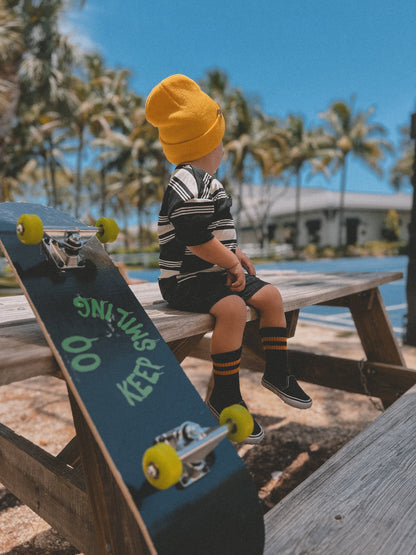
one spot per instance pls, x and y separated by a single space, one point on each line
139 383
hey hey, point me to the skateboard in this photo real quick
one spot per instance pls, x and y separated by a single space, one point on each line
179 474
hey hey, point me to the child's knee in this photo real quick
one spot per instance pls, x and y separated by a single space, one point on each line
231 308
267 300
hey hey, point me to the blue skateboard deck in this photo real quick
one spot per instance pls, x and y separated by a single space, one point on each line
130 388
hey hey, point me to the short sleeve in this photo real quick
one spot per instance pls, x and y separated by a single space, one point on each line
191 220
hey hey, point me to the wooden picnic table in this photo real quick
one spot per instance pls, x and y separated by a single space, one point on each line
55 486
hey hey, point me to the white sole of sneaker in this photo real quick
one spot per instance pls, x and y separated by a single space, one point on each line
254 440
287 398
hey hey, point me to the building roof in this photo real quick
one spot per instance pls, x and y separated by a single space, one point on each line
262 200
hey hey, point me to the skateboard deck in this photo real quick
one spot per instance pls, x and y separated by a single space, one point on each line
130 389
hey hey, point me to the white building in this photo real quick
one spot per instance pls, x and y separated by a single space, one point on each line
273 208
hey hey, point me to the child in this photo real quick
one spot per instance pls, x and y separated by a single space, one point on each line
202 269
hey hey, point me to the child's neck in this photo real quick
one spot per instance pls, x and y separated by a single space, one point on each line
210 161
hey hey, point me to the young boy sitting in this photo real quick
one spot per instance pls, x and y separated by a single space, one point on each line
202 269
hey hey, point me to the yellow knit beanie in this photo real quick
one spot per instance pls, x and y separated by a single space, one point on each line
190 123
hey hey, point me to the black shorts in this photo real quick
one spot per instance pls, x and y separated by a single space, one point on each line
200 293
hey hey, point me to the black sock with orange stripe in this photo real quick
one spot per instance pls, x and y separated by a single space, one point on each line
226 379
276 377
274 341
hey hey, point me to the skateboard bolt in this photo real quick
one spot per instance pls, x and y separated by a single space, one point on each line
191 431
74 239
152 471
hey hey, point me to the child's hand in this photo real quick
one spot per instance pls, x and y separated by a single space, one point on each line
245 262
236 279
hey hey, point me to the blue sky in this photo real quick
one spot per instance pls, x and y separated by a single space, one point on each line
296 56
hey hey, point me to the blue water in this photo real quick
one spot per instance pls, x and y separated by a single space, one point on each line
394 294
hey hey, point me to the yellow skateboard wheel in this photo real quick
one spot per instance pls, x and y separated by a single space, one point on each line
239 420
162 466
29 229
108 230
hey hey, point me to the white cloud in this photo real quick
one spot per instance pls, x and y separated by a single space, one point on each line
75 23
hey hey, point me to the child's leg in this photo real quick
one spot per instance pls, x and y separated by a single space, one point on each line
227 337
268 302
230 315
230 319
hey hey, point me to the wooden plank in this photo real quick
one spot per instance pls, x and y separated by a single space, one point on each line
362 500
298 289
19 342
24 353
49 487
307 289
70 454
385 381
374 328
183 347
292 322
116 530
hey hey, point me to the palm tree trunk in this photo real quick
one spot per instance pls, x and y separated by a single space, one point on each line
410 335
102 191
78 184
45 177
297 211
239 209
52 171
342 203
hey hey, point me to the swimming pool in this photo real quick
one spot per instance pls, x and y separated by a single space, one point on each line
394 294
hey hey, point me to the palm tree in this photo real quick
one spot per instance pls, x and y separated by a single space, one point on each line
35 61
269 155
304 147
238 143
44 143
11 50
135 154
403 171
353 134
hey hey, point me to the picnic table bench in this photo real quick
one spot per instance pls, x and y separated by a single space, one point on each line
55 487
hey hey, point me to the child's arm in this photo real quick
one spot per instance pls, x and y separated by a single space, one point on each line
245 262
215 252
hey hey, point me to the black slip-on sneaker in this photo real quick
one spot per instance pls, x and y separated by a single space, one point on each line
290 392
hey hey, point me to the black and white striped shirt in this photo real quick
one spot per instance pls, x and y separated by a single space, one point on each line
195 208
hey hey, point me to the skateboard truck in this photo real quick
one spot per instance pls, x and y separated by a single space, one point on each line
181 455
62 246
65 252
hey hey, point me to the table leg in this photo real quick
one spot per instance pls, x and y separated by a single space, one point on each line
374 328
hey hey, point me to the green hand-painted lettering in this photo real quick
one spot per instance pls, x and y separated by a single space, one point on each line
124 315
77 344
129 395
154 377
99 309
83 306
145 345
83 362
86 363
132 389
